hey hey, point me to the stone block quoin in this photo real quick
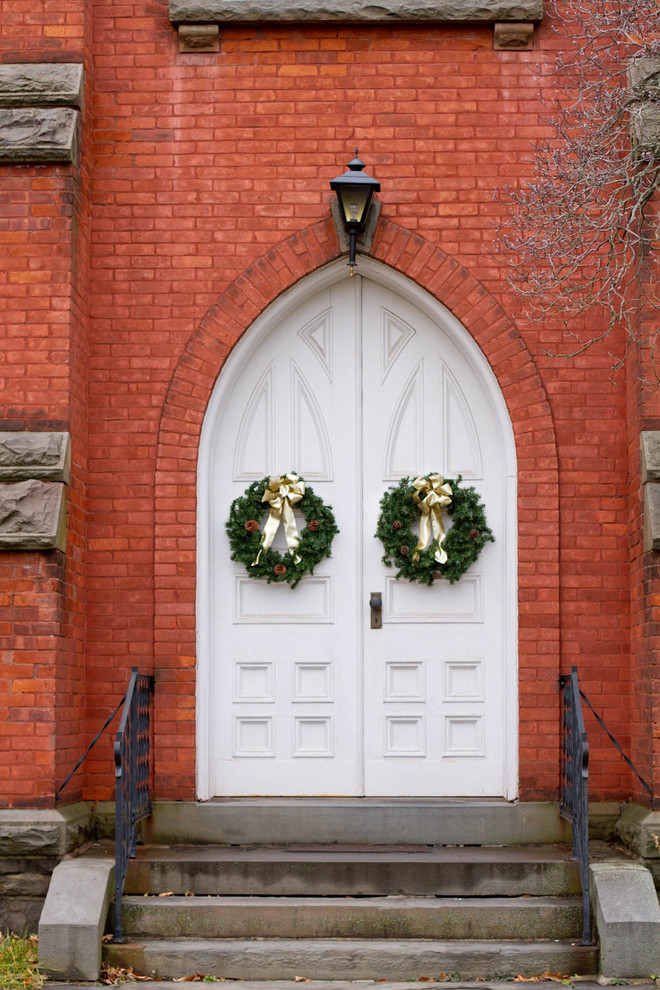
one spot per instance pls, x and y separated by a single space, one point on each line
34 469
39 113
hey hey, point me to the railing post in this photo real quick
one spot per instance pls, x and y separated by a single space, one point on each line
132 774
574 801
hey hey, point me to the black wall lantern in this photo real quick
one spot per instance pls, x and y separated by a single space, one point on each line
354 190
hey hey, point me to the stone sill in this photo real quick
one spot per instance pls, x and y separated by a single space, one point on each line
310 11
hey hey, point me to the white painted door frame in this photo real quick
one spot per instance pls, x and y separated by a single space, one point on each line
208 513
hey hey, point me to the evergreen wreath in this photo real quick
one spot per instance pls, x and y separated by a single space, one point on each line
463 543
244 532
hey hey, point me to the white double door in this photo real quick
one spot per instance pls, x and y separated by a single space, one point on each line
354 388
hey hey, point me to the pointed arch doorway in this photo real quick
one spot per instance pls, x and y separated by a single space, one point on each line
355 383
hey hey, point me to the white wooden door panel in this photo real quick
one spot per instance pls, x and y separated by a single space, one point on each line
443 730
354 388
283 674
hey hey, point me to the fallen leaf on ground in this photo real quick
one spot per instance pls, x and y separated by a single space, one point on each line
114 976
553 977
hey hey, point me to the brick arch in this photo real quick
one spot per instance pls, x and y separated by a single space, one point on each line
176 481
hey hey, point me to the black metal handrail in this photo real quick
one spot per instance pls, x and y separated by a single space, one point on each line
132 773
574 802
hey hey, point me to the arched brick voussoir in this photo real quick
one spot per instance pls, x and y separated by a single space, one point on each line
405 251
230 316
482 316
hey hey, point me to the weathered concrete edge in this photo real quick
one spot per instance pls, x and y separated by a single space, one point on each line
244 821
639 828
331 960
51 832
603 818
73 919
627 915
310 11
41 84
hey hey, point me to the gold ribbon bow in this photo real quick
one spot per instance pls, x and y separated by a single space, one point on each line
431 493
282 494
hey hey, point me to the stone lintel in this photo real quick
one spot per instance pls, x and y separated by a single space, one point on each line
199 38
310 11
57 84
512 36
33 515
46 456
625 905
651 516
38 136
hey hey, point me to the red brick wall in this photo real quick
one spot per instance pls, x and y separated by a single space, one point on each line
44 261
206 167
204 163
42 30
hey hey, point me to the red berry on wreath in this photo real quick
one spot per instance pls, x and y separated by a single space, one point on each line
404 551
474 534
252 525
397 525
280 569
313 525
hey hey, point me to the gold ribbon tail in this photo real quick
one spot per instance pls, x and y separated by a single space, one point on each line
436 494
291 531
282 494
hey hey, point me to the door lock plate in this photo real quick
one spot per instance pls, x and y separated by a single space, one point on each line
376 606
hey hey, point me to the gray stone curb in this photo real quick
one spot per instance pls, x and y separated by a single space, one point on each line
360 985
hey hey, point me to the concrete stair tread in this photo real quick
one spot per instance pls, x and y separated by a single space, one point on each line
355 853
350 917
357 870
191 941
427 902
350 959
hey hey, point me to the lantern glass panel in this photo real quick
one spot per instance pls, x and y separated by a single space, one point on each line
354 201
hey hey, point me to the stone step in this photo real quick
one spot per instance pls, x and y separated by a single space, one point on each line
349 959
397 917
299 871
437 821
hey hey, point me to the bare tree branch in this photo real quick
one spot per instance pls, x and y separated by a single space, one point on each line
581 233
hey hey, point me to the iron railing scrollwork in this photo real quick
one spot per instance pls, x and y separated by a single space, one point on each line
132 773
574 803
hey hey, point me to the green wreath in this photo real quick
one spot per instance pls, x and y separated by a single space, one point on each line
248 543
462 545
